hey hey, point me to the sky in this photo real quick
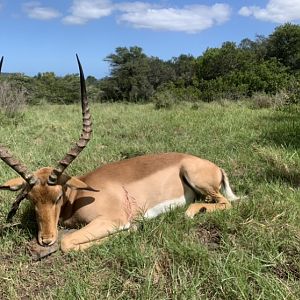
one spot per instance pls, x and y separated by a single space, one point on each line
42 36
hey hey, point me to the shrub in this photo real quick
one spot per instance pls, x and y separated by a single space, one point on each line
164 99
263 100
294 90
222 88
188 94
12 99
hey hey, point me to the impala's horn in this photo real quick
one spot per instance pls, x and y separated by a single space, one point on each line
85 134
8 158
1 62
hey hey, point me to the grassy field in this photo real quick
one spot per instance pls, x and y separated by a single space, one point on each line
249 252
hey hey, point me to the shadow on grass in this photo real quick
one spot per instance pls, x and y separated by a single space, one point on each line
286 129
26 222
277 168
279 174
285 133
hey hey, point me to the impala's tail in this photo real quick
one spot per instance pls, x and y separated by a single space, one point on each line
226 189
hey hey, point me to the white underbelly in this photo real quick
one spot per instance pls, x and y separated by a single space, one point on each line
168 205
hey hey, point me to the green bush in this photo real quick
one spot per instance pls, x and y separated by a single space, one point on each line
12 99
164 99
222 88
293 89
188 94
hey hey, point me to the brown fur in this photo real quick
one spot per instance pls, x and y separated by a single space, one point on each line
103 199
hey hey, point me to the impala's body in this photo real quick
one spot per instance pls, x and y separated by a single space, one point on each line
111 197
146 186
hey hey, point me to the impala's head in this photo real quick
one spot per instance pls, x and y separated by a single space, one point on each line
46 188
46 197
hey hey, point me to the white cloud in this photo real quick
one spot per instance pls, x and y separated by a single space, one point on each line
34 10
189 19
134 6
84 10
279 11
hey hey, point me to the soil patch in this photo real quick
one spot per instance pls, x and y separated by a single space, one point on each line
209 235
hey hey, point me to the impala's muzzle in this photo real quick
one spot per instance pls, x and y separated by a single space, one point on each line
47 236
47 220
47 240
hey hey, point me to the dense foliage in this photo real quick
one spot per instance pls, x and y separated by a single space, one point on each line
267 65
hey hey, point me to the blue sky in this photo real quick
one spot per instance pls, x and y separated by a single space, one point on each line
40 36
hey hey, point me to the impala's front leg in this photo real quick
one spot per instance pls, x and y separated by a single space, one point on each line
92 233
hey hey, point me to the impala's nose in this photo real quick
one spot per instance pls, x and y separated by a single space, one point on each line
47 241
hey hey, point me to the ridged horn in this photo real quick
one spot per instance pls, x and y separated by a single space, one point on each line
15 206
8 158
85 134
1 62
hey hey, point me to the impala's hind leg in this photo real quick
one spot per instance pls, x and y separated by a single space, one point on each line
206 179
93 233
221 203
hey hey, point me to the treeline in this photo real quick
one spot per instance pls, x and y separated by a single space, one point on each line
45 87
267 65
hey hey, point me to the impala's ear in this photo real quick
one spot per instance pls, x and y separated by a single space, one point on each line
13 184
77 184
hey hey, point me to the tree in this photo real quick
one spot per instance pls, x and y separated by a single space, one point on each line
185 67
160 72
91 80
247 44
55 89
284 45
216 62
129 75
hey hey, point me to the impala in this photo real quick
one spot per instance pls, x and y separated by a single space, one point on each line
110 198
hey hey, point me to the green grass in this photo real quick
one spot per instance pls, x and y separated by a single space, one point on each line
249 252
